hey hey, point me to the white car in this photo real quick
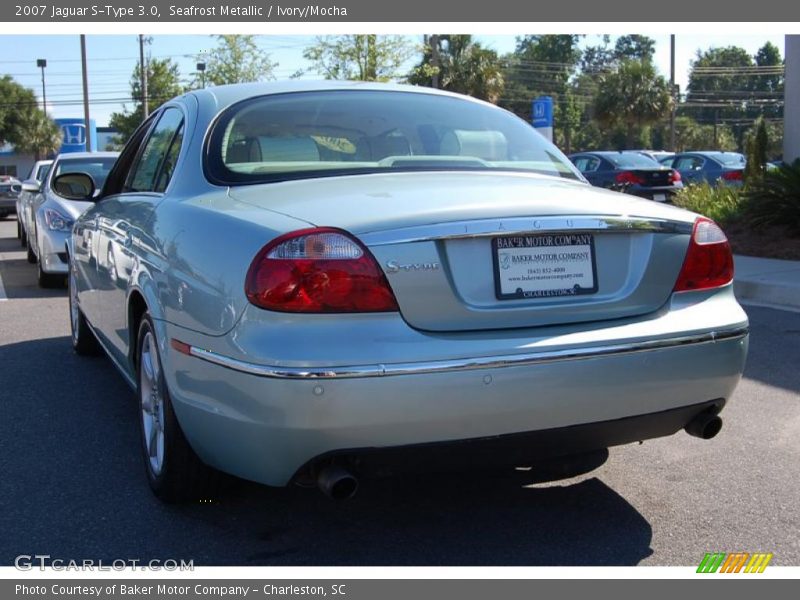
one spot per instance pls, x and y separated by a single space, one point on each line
53 214
33 181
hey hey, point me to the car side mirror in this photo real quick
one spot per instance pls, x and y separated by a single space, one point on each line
75 186
31 185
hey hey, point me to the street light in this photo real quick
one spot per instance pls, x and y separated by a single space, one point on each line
201 68
42 63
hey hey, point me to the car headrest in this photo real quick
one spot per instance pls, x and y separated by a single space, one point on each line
487 145
288 149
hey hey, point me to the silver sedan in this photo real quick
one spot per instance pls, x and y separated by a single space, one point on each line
315 282
54 212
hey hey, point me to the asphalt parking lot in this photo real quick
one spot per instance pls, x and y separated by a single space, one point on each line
73 485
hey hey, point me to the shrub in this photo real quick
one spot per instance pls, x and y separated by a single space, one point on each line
774 200
721 203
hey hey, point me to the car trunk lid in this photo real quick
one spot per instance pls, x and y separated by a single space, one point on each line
471 251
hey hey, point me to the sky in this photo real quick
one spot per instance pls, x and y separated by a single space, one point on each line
111 60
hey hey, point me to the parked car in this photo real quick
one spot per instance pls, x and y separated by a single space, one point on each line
54 212
10 188
24 200
711 167
329 278
628 171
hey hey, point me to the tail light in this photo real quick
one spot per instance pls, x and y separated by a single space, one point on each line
709 260
675 176
628 177
319 270
732 175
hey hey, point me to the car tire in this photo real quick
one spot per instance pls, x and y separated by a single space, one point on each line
23 237
31 256
83 340
174 471
47 280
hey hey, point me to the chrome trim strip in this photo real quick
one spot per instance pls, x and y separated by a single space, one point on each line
520 225
462 364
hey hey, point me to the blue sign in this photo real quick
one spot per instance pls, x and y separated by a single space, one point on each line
542 113
75 132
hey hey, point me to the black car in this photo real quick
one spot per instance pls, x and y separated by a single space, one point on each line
630 172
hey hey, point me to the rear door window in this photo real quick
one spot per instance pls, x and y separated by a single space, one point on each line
158 156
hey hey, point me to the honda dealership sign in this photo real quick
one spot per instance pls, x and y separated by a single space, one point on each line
74 134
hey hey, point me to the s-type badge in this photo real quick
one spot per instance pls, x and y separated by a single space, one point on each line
393 266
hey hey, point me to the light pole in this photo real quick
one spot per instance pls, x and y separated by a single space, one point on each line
42 63
201 68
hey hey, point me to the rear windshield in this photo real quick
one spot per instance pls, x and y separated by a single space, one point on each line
343 132
729 159
634 160
97 167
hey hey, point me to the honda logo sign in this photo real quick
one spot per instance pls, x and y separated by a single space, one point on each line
74 134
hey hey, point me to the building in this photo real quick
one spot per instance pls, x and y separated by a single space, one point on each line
74 140
791 111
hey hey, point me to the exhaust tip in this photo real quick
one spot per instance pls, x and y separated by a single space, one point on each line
704 426
337 482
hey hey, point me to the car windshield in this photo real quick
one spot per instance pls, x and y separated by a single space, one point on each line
634 160
41 172
97 167
343 132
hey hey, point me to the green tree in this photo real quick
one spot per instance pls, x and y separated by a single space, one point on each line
36 134
236 59
634 47
691 135
757 143
16 104
541 65
163 83
464 67
359 57
632 97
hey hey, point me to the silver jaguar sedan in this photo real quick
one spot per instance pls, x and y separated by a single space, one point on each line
319 281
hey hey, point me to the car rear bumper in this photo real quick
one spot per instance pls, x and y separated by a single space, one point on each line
265 428
659 194
519 449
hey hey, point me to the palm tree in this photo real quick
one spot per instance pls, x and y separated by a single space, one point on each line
37 134
632 97
464 67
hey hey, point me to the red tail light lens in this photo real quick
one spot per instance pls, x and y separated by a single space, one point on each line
732 175
675 177
628 177
709 260
320 270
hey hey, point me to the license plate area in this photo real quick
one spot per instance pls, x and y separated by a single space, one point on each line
544 265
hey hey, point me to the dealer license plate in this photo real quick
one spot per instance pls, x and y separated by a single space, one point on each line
544 265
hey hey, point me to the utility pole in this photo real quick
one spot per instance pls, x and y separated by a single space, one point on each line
42 63
143 78
88 130
434 39
672 90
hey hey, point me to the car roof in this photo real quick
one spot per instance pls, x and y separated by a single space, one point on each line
67 155
225 95
607 152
